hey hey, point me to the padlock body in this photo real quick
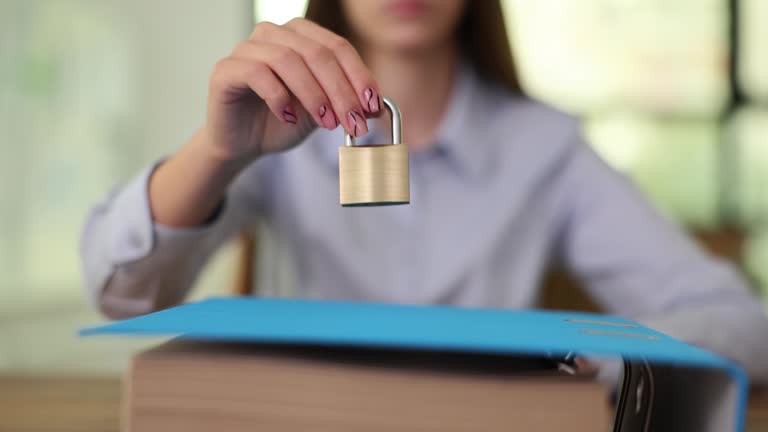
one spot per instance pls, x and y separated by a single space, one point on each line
374 175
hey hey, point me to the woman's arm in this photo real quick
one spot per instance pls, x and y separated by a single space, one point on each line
187 189
133 264
638 264
142 249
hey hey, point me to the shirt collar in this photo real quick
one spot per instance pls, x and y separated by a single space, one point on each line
454 137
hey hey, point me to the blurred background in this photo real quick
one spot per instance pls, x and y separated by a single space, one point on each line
673 93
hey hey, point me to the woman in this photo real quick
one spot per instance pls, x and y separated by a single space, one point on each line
501 185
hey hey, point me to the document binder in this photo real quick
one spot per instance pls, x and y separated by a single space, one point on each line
668 384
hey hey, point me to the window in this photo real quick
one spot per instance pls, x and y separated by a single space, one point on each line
90 91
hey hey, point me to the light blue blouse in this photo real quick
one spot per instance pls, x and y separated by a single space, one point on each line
509 188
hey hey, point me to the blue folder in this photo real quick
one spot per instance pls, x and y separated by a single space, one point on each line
315 322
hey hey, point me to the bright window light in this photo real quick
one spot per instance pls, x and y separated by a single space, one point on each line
278 11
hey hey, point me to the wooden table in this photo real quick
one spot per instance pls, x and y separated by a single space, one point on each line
757 414
33 404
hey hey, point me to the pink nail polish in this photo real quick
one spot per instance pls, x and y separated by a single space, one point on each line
289 115
372 100
357 123
327 117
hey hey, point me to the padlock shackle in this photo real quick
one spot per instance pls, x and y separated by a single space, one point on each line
397 121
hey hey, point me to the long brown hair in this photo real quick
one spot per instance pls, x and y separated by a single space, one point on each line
481 33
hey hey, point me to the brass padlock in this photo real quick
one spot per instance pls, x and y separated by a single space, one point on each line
374 175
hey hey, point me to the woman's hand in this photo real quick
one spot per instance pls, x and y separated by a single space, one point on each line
267 96
281 83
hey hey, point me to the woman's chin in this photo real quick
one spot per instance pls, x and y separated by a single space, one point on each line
408 42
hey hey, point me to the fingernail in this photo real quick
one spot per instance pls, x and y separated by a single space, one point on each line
327 117
357 124
372 100
289 115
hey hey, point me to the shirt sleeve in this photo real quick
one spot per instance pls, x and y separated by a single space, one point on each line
132 265
636 263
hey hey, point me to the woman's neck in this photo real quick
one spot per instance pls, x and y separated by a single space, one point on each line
421 84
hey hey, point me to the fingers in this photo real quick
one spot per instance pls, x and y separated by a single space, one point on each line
301 59
338 69
231 76
347 57
290 68
326 69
